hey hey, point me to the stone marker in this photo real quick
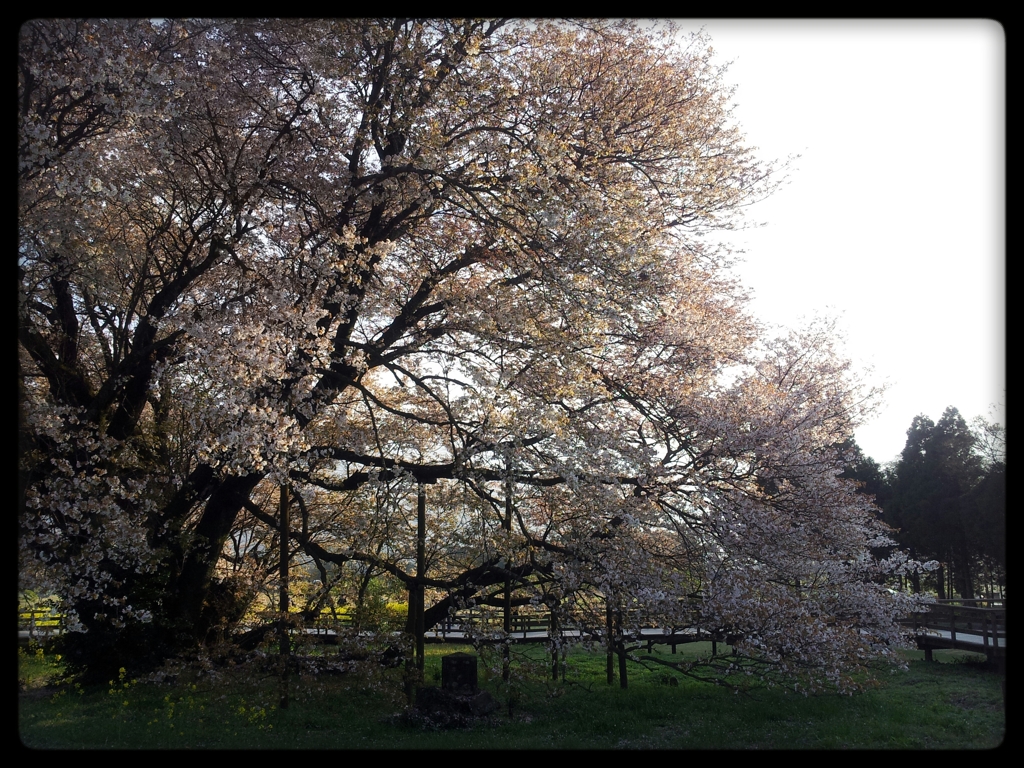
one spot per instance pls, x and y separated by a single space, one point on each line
458 673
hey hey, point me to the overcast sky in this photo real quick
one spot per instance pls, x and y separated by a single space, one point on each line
893 219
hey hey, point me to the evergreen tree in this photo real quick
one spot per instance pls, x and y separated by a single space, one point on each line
946 503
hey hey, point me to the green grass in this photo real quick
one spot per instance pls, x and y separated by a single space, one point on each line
946 705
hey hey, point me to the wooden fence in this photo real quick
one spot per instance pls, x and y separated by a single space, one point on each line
39 624
961 625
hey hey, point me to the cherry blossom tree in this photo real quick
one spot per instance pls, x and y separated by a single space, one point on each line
360 258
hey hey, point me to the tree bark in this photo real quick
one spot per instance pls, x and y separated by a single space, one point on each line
190 608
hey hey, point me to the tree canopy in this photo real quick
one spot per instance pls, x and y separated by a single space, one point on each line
363 257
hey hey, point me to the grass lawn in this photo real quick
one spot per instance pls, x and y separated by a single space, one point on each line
946 705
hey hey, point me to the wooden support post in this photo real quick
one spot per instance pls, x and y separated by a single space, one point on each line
620 645
555 644
506 664
421 572
284 640
414 623
610 665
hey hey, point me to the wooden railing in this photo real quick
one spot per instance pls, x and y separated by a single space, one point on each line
974 602
970 628
490 621
40 623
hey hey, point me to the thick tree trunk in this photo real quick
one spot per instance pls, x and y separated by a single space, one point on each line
193 602
191 610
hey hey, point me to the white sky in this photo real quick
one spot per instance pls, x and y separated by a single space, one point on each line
894 217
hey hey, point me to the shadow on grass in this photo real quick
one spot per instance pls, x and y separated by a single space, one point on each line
952 704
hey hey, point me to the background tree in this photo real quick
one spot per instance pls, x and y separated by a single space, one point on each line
948 502
871 476
989 502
